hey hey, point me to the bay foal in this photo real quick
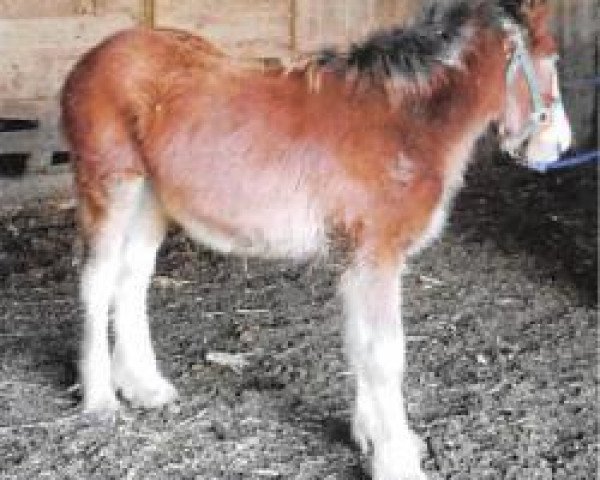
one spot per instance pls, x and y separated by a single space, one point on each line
364 148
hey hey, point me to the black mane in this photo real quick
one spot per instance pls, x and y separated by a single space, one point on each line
436 37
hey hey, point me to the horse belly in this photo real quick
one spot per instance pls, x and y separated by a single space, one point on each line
291 227
238 186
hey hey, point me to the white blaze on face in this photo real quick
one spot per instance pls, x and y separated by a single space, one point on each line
555 137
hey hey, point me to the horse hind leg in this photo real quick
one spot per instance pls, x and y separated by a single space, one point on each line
105 215
134 369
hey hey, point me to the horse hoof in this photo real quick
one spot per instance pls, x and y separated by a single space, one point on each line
153 393
398 460
101 412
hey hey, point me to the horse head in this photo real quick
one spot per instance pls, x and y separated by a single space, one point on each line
534 127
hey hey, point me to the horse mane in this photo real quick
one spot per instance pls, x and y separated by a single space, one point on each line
410 56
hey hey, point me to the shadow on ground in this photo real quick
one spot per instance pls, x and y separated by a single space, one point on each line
551 217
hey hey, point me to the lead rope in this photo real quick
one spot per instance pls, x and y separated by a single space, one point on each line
566 162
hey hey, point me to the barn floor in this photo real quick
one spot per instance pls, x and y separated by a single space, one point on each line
502 355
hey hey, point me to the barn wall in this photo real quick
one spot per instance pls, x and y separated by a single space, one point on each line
577 26
323 22
39 42
244 28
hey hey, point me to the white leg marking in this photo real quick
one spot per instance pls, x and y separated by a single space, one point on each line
98 282
375 348
134 370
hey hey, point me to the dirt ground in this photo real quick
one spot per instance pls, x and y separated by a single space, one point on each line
502 329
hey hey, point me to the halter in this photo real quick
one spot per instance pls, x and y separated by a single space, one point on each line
520 59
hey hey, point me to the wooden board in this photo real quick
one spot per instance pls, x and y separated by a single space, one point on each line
21 9
392 12
36 54
36 8
247 28
324 22
577 28
40 143
39 41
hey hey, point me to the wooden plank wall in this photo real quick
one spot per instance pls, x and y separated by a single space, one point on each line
279 28
323 22
39 42
245 28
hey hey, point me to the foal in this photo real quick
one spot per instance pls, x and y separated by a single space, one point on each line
363 148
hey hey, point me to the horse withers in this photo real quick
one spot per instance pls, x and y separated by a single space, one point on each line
363 148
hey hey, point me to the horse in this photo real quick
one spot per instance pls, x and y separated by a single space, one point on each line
359 150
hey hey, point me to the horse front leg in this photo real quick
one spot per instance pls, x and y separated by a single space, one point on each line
375 348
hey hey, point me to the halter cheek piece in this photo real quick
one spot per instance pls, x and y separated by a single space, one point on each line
541 113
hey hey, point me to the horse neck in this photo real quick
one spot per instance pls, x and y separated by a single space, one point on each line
467 100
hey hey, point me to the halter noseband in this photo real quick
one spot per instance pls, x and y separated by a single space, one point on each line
520 59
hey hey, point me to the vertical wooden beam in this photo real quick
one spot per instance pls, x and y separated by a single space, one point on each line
293 25
149 13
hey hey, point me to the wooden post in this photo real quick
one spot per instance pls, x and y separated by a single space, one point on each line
149 13
293 26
